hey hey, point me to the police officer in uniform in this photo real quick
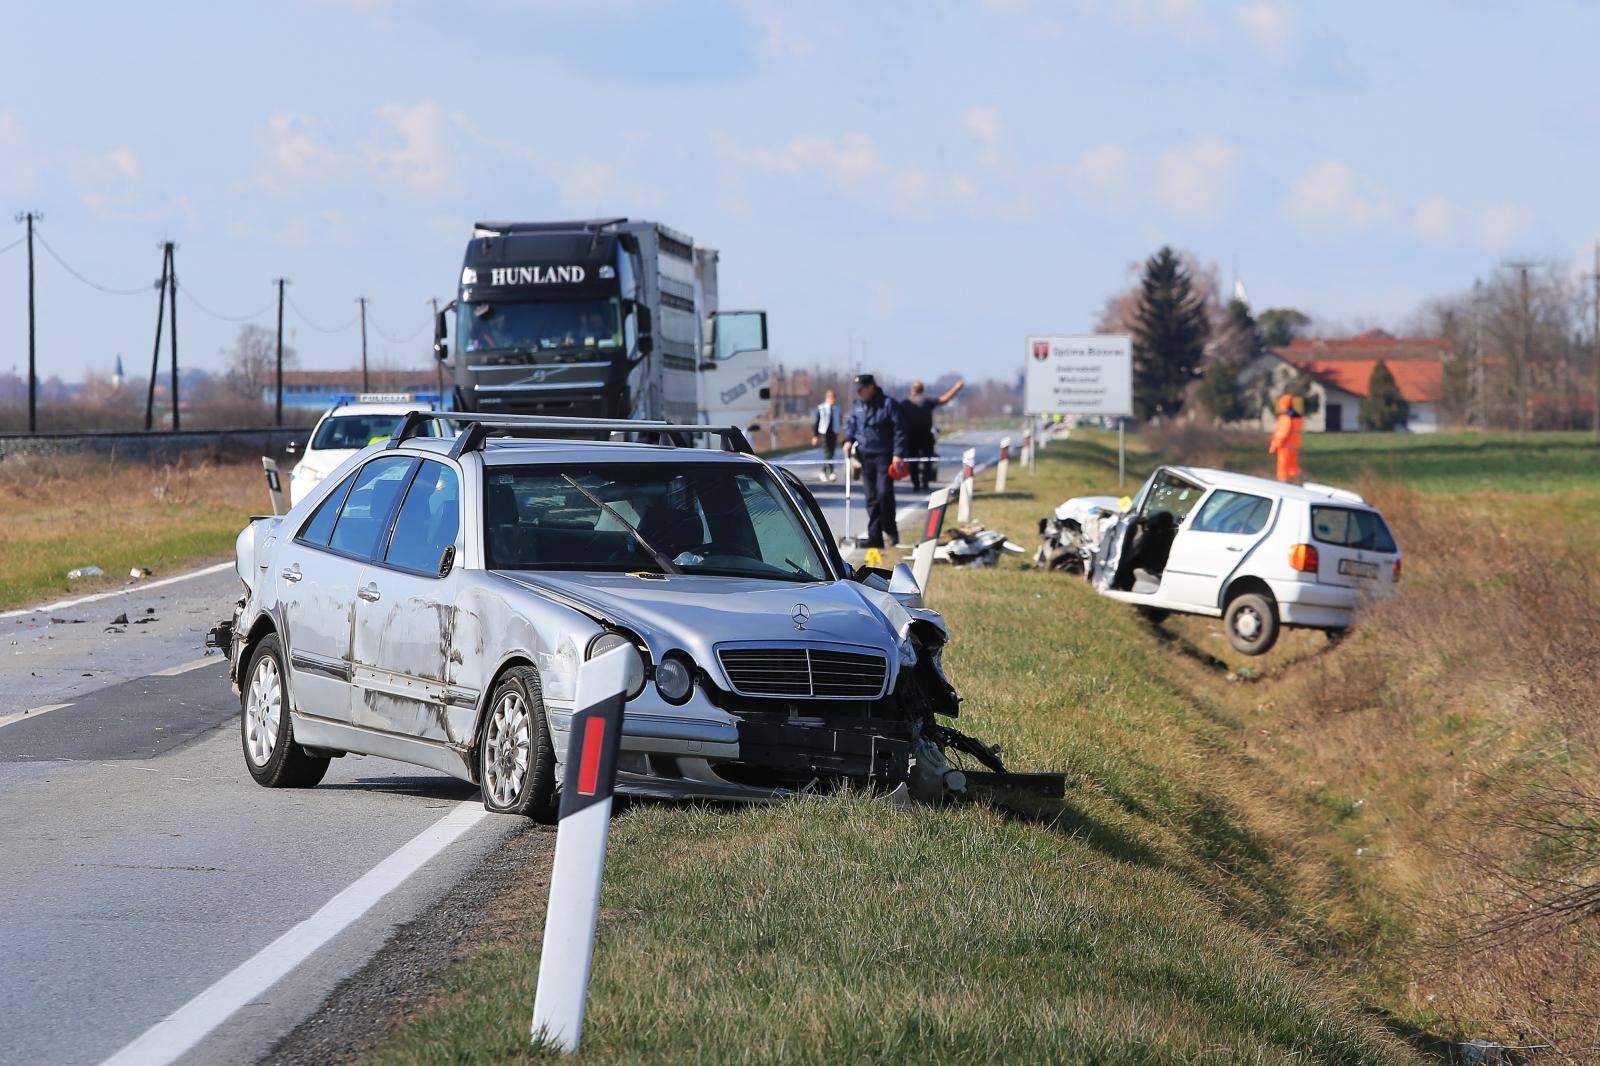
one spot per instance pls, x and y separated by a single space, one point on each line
875 435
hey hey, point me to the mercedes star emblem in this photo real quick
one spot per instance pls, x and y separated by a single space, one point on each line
801 614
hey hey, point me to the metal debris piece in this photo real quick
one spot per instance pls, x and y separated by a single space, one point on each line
84 571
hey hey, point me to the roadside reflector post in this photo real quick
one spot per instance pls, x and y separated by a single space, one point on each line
588 779
964 500
922 554
849 477
1001 467
274 485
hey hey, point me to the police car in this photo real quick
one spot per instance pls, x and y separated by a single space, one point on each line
349 427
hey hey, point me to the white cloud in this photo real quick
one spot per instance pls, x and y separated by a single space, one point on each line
1499 226
293 156
1332 197
126 162
414 150
1270 25
985 125
595 187
1105 173
1186 19
1434 219
849 164
1194 179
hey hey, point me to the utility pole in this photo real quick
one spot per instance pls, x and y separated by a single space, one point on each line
33 374
278 407
365 387
1597 340
155 355
172 333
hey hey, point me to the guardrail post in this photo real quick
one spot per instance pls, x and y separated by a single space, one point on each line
964 498
922 554
274 485
1002 466
588 779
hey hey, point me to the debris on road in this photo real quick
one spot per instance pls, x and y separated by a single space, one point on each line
80 572
140 571
973 545
120 620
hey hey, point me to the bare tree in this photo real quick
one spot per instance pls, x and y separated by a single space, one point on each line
253 361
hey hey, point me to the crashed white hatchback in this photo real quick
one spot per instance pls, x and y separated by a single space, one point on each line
1259 554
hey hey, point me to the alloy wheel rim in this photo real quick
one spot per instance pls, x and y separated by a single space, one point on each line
506 749
264 711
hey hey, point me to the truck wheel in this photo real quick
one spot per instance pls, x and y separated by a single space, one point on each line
266 728
516 758
1252 623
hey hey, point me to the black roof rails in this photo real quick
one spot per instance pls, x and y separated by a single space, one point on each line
479 427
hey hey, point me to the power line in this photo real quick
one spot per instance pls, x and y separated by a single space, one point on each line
320 329
92 284
380 331
218 314
13 244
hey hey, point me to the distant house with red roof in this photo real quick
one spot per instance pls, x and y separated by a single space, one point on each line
1339 369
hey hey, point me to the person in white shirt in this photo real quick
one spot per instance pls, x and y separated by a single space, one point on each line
825 431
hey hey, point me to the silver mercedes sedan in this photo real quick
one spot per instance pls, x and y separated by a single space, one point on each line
432 600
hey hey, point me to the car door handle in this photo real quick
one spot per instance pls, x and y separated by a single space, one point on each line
369 592
290 573
1236 547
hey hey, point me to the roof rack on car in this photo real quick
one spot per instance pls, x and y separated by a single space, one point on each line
479 427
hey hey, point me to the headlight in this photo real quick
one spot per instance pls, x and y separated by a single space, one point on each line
674 679
612 639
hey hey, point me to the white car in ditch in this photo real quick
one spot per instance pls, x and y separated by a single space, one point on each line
431 602
1258 554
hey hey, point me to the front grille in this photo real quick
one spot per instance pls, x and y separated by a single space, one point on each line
805 672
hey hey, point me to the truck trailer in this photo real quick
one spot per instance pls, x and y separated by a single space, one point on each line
606 318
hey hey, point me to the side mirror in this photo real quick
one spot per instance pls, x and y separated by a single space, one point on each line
903 586
647 341
447 559
440 330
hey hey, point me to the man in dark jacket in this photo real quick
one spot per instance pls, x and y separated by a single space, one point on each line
917 413
875 435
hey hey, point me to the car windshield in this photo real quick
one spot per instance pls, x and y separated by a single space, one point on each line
485 327
358 431
697 518
1170 494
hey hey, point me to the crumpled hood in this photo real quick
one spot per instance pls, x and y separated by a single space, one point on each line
696 612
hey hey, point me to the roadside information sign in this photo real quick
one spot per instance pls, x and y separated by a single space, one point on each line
1080 374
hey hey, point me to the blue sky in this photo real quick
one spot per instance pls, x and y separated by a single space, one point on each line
936 179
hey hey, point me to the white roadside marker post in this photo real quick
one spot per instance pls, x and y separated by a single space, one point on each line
922 554
964 500
588 780
1027 447
274 485
1001 467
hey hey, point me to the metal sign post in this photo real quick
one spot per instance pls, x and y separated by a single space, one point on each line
1122 454
922 554
588 779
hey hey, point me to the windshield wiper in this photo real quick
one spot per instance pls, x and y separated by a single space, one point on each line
667 566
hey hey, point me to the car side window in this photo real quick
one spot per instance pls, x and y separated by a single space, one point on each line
1233 512
364 517
428 521
319 527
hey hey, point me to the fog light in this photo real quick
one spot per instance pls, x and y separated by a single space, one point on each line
674 680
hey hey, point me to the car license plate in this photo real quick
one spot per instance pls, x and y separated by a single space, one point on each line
1357 568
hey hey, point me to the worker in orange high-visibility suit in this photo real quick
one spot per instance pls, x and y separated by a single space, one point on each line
1286 440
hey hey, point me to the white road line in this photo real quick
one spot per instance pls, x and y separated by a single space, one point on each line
184 668
61 605
35 712
185 1027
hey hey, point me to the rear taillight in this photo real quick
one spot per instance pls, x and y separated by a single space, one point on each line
1397 569
1303 557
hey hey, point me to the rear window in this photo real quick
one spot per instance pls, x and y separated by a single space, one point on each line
1350 528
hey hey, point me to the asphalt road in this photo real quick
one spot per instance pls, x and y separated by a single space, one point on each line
144 877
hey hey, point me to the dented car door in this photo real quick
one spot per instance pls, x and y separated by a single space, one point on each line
405 618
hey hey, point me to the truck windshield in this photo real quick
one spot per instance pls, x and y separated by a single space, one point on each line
704 518
485 327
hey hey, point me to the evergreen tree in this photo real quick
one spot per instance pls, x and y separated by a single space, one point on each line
1383 407
1169 336
1221 394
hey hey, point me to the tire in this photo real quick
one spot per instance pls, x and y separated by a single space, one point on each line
516 758
266 729
1252 623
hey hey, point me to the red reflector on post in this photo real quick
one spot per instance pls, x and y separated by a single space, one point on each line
935 520
1303 557
594 737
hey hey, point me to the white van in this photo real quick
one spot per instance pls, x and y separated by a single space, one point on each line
1259 554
